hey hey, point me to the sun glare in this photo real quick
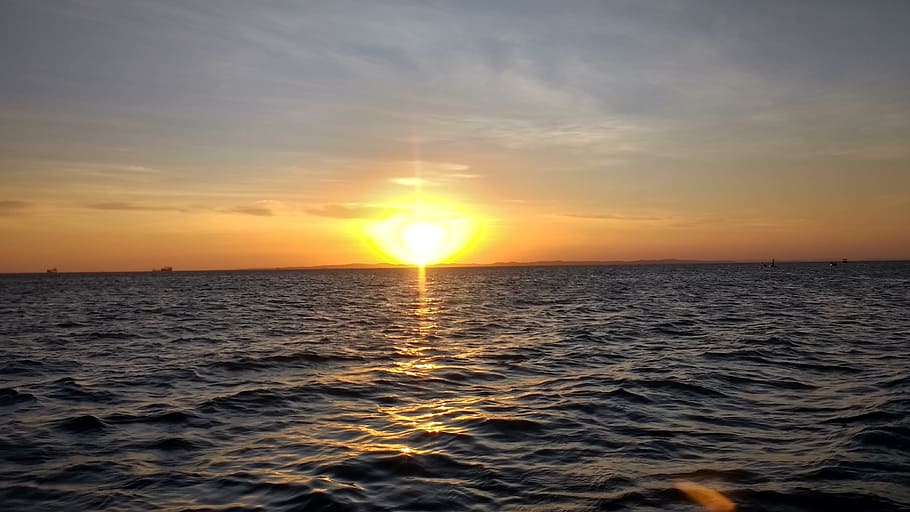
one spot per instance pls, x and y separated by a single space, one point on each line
431 234
422 239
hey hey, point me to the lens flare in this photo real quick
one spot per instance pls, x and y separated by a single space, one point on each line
708 498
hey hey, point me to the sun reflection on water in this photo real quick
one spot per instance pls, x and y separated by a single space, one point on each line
415 348
431 418
424 320
414 432
418 359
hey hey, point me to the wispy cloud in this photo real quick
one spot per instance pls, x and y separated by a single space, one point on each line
431 173
13 207
130 206
259 211
435 167
740 223
410 182
614 216
350 211
259 208
672 220
265 208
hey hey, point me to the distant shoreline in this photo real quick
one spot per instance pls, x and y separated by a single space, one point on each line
503 264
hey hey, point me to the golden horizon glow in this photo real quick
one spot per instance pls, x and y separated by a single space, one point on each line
432 233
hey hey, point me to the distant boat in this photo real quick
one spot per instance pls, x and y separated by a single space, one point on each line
769 265
52 270
164 269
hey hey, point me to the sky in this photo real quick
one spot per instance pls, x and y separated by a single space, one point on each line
234 134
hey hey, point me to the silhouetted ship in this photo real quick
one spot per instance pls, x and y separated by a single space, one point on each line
164 269
52 270
769 265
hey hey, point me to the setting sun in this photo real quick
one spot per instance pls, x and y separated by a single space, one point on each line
427 236
422 239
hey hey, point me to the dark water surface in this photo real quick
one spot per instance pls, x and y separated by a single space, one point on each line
570 388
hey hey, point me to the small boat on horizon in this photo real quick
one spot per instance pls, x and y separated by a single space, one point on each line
51 270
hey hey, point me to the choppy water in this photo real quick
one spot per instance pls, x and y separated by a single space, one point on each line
573 388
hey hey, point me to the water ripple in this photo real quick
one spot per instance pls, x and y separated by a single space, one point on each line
559 388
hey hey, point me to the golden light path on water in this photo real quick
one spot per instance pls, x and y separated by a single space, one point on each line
419 352
404 433
431 416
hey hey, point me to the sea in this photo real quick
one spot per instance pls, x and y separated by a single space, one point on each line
574 388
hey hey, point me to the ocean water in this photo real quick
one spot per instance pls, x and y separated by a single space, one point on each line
533 389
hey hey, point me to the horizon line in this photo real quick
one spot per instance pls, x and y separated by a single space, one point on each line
537 263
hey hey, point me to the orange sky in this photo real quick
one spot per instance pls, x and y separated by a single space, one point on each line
208 136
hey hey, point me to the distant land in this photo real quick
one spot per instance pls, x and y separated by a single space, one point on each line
565 263
544 263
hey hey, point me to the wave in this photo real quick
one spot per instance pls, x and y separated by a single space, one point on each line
86 423
571 389
10 396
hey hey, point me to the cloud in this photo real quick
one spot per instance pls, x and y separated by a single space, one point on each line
138 207
432 173
613 216
12 207
859 150
410 182
350 211
259 211
436 167
259 208
265 208
741 223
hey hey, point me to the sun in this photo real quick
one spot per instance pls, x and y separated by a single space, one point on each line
427 235
422 239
